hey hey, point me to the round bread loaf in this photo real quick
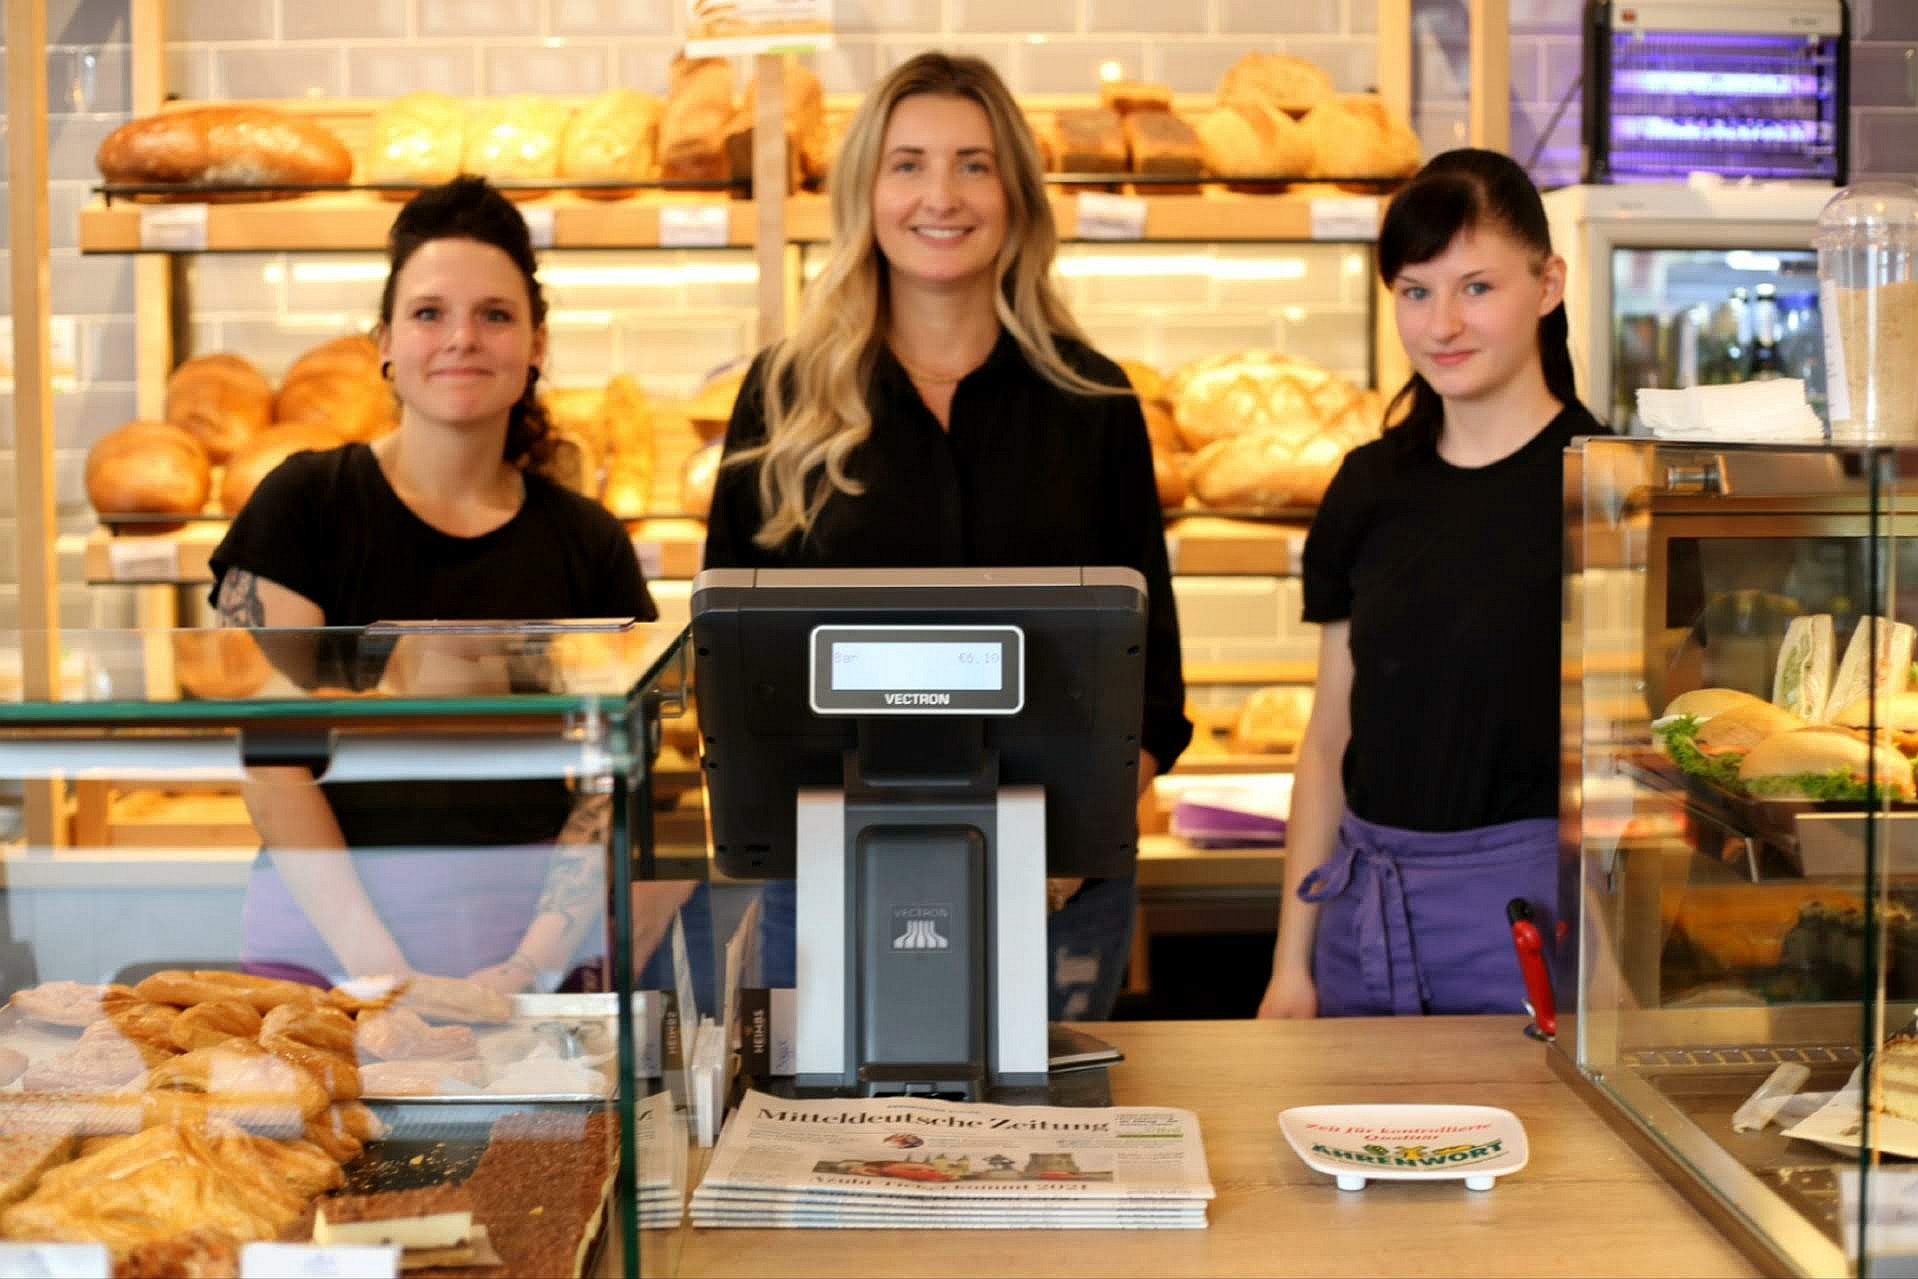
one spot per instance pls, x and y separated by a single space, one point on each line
416 138
1290 83
356 354
1403 150
1350 141
1147 382
222 400
1290 446
222 665
357 408
253 146
1225 395
515 138
246 468
1250 137
1166 473
697 479
148 468
1161 427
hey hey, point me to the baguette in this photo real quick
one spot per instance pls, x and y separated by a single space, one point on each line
247 146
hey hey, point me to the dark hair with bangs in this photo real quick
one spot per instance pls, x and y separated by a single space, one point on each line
1460 191
472 208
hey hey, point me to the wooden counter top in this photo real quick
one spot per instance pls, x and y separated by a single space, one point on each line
1586 1205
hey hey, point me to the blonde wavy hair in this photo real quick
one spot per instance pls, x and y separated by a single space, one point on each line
814 382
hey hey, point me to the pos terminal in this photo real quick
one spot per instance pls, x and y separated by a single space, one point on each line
919 749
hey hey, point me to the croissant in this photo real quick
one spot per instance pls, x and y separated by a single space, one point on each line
205 1025
185 989
401 1034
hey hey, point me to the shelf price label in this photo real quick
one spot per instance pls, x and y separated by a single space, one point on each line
1346 218
695 226
1111 217
54 1261
287 1260
173 228
539 225
144 559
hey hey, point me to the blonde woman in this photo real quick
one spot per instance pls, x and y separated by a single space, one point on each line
938 406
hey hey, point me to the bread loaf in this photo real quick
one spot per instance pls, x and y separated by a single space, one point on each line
628 491
253 463
1250 138
1161 427
1403 151
1170 479
148 468
1087 140
1147 382
808 140
222 400
1127 96
1358 140
247 146
712 408
1266 469
1160 143
1273 430
692 127
218 665
1283 81
1272 719
357 408
613 137
356 355
1227 394
416 138
514 138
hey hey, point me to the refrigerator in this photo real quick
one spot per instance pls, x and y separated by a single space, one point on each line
1687 284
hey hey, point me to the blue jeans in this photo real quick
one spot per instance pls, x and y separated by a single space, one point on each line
1087 943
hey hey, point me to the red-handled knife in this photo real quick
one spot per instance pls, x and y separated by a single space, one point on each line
1531 962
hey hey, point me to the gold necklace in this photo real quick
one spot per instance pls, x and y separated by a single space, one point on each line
922 375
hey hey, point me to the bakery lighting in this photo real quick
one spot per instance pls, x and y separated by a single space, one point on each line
1149 266
553 275
1746 260
1741 84
1110 71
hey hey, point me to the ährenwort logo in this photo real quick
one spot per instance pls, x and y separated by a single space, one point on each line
1414 1156
918 927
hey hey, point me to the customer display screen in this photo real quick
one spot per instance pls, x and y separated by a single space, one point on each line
913 670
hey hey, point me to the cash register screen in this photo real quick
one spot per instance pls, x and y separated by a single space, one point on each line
919 667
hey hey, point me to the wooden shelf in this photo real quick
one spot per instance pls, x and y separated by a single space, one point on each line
355 220
1204 546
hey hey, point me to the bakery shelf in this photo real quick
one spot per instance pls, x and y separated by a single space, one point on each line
1210 546
358 221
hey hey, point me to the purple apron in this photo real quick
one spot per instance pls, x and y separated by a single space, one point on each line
453 911
1412 922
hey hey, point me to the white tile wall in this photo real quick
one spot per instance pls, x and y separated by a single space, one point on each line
341 19
582 68
387 71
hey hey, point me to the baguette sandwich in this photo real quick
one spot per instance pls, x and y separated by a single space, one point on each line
1802 684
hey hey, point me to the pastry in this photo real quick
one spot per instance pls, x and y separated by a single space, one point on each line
24 1159
1249 138
433 1217
148 468
237 1080
400 1034
1350 141
541 1189
204 1025
12 1066
451 999
98 1063
197 1254
420 1078
222 400
64 1003
319 1040
187 988
298 1166
247 146
148 1025
1272 719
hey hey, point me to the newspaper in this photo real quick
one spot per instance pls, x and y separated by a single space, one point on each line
659 1138
900 1161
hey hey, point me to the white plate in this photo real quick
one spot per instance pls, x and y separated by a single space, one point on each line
1356 1144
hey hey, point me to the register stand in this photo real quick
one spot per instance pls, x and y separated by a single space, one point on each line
920 749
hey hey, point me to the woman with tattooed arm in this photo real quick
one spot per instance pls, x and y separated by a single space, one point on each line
446 518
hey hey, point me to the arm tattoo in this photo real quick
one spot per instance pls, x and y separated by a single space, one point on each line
239 602
575 886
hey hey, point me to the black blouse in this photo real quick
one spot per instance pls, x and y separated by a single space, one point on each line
1028 476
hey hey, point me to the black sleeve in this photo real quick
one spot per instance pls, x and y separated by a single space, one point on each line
735 515
279 534
1332 545
622 584
1135 534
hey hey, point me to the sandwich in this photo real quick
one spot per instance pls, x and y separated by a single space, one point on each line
1873 667
1822 764
1895 717
1688 712
1716 748
1802 683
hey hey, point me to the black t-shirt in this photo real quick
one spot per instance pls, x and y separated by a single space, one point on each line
1452 580
329 526
1028 476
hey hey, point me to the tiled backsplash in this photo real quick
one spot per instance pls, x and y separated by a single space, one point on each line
376 48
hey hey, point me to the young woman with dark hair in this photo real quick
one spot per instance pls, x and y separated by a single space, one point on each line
448 517
1426 792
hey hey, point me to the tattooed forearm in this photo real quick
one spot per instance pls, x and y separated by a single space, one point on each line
575 886
239 601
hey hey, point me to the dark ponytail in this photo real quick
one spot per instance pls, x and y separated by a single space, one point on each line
473 209
1459 191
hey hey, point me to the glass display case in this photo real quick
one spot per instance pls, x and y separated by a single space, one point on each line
443 961
1740 876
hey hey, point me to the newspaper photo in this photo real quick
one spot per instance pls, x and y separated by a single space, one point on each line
913 1161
